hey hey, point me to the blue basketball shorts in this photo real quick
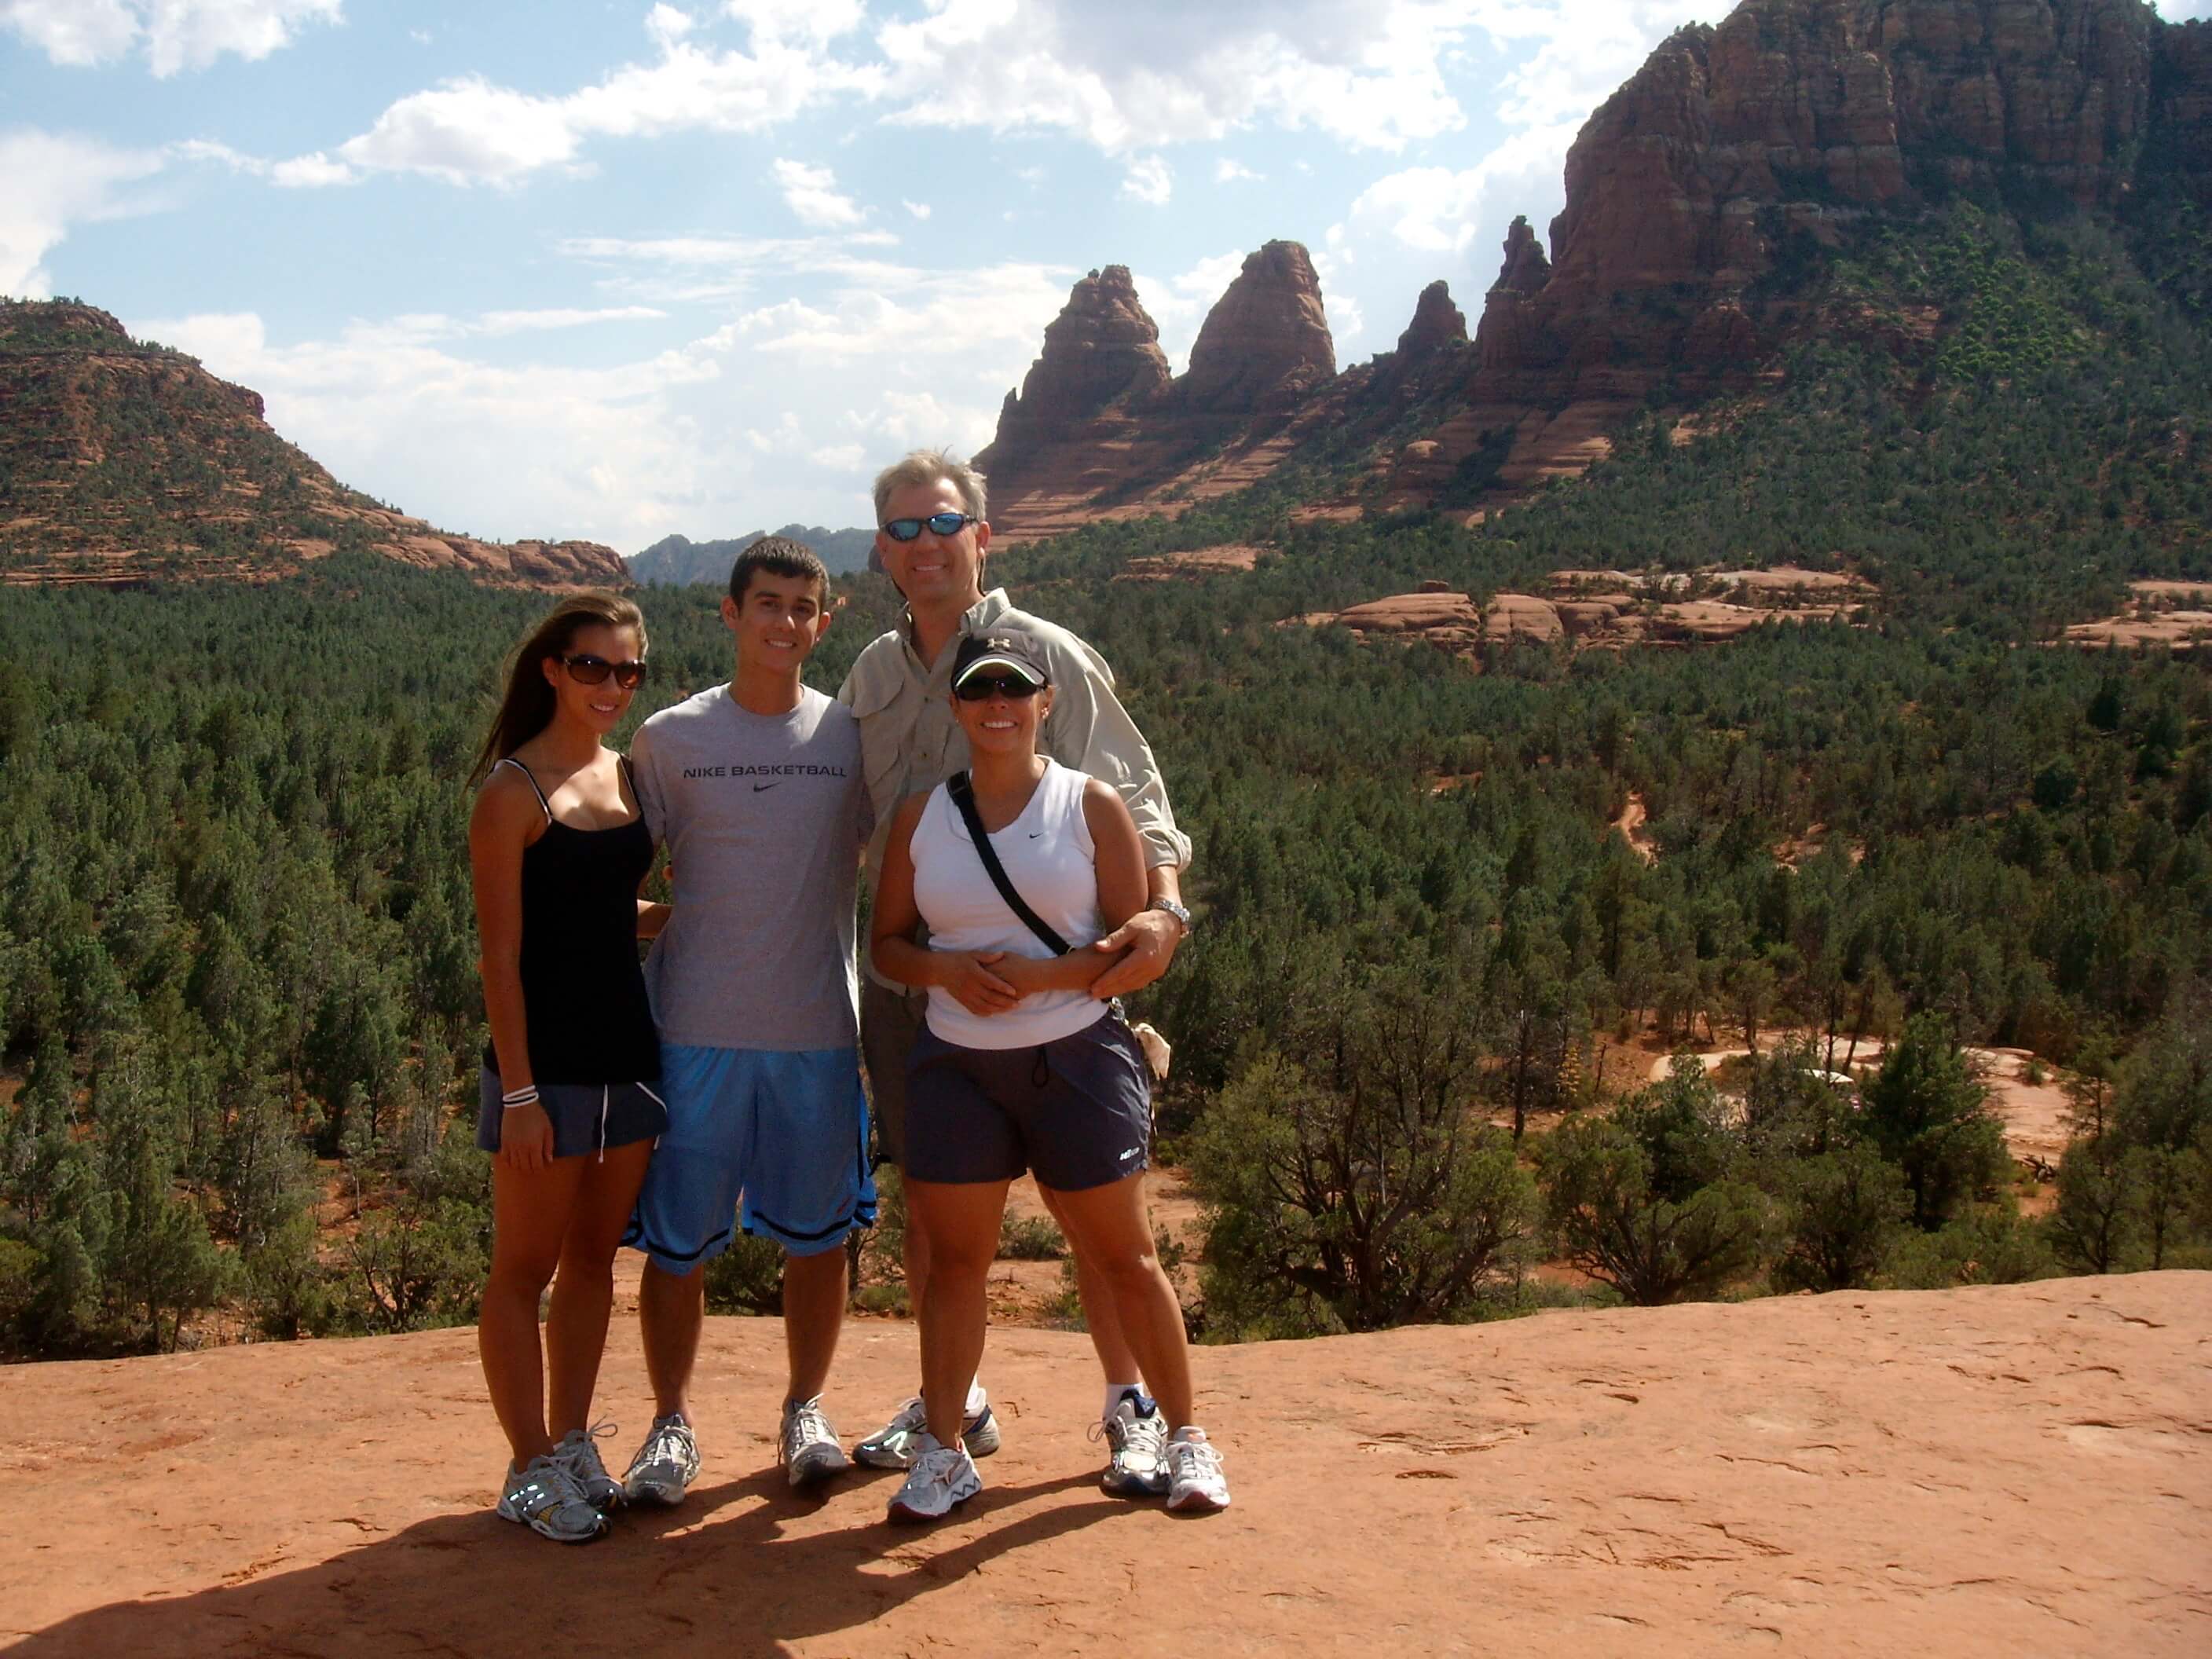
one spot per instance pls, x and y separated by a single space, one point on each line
775 1143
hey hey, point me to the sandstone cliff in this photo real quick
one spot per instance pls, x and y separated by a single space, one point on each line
122 462
2008 1471
1099 426
1266 343
1737 154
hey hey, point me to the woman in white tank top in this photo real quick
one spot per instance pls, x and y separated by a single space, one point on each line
1019 1067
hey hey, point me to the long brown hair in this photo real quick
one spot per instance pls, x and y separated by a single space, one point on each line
527 708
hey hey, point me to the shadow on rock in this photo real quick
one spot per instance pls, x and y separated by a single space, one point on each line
738 1568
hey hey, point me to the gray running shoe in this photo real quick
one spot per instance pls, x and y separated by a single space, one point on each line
892 1446
1138 1466
665 1465
579 1454
543 1496
942 1479
1194 1477
808 1448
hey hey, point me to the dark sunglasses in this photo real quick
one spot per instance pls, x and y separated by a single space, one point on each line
941 524
980 687
587 670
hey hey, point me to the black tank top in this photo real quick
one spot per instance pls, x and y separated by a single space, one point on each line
583 991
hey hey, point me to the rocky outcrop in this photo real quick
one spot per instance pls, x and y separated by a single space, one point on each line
1098 423
1103 348
1438 324
1738 155
1526 269
1866 1472
125 462
1266 343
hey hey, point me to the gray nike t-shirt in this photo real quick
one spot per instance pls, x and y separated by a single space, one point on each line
763 816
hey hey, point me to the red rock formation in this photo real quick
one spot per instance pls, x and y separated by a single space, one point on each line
1438 324
1776 133
1266 343
95 492
1103 348
1527 269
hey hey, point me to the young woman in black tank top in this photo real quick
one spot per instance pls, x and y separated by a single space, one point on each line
558 848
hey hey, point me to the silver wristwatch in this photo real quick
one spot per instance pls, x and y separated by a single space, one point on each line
1174 910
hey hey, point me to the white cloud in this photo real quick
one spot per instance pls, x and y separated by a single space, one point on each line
174 34
471 130
50 181
810 193
920 209
394 408
840 458
1150 180
669 24
816 22
517 322
311 172
1226 171
1146 72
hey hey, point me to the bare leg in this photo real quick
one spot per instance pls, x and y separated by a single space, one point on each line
584 1292
670 1309
917 1262
961 1220
1102 1316
530 1211
813 1316
1110 1222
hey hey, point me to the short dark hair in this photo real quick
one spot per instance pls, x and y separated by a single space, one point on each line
779 555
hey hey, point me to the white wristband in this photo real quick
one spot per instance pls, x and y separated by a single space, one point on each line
525 1096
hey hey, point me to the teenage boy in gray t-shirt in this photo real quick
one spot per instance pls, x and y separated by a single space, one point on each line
755 789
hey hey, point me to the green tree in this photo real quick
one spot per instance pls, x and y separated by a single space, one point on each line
1926 1113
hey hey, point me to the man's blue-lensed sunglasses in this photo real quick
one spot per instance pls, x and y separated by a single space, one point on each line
941 524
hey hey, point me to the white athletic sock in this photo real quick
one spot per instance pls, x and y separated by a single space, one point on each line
976 1398
1114 1393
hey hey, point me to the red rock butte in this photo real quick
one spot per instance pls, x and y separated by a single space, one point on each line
2008 1471
1736 151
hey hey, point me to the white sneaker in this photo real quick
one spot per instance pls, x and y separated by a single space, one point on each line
543 1496
665 1465
1194 1478
892 1446
579 1454
942 1478
1138 1464
807 1447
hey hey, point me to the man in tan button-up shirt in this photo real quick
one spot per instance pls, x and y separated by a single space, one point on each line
900 689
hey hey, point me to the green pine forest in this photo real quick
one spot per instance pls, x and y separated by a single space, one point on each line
238 1001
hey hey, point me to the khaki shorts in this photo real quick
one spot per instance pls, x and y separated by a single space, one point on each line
891 1021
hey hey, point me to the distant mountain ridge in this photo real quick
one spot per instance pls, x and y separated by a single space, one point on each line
679 561
122 461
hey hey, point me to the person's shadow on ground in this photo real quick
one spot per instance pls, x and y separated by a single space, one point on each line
474 1586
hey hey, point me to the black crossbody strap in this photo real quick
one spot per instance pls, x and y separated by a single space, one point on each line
963 797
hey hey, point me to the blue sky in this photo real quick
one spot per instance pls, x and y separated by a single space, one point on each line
611 268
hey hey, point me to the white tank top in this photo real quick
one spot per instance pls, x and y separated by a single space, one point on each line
1049 858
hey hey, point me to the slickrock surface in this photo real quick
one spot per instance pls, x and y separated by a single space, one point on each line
2014 1471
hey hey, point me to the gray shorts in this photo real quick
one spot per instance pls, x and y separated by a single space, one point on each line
891 1020
1077 1110
587 1117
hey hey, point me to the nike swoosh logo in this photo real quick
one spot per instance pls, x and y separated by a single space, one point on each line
759 786
1036 834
